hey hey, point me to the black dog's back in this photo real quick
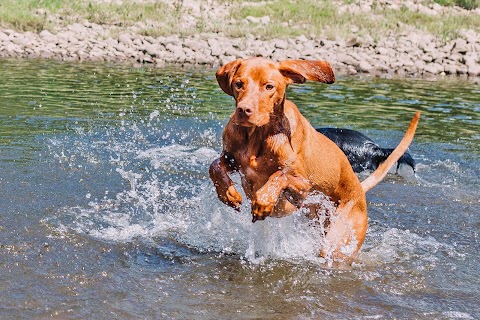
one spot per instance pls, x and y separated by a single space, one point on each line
361 151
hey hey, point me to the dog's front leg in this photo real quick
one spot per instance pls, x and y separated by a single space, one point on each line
226 192
267 196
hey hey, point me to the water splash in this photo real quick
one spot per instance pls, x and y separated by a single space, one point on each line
168 194
162 166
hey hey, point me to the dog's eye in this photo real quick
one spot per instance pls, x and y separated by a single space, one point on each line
239 84
269 87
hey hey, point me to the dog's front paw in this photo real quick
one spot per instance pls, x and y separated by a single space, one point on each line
261 209
234 199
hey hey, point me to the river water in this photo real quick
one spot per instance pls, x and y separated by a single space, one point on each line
107 211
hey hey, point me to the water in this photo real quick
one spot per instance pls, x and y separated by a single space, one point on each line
107 211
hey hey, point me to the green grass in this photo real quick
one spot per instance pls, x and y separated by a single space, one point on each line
467 4
321 18
447 27
21 14
287 18
303 17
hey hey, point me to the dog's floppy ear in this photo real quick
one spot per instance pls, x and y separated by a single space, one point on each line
299 71
224 75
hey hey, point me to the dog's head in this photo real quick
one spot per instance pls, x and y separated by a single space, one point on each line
258 85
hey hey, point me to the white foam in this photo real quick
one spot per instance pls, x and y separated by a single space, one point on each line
150 209
216 227
173 154
393 245
457 315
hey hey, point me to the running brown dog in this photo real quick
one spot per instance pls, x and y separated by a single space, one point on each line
282 158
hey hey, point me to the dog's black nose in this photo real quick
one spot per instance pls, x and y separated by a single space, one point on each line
246 109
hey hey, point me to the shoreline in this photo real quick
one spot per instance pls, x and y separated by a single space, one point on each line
410 53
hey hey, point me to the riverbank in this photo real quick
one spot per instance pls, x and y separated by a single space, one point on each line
405 51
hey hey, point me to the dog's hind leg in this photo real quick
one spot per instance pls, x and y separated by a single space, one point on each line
346 232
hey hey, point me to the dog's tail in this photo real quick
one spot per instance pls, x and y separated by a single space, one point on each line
406 159
396 154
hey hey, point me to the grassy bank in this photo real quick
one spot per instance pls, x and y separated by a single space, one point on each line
287 18
466 4
322 18
37 15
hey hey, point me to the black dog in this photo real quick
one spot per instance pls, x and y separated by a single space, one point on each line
361 151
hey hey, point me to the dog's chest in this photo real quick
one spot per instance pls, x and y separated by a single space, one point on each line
256 163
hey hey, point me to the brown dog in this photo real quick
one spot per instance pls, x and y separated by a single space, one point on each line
280 156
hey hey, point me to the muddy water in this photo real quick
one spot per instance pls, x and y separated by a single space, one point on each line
107 212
